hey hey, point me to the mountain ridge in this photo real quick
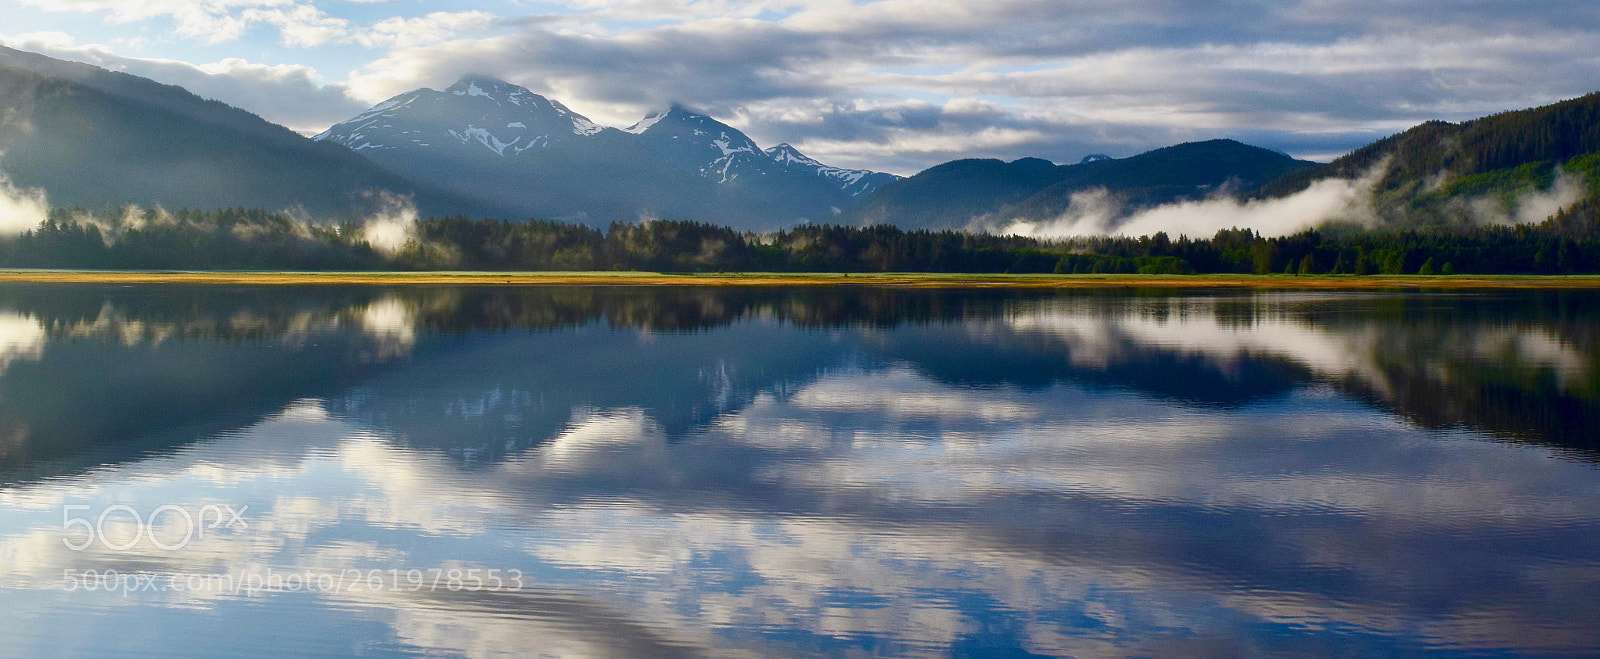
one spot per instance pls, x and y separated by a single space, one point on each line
553 162
94 137
91 137
960 193
1480 170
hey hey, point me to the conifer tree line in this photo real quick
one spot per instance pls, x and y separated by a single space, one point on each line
244 239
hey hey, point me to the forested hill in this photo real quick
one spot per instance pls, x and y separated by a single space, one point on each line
1498 154
95 138
1519 166
171 98
956 194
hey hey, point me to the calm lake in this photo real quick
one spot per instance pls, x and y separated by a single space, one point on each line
811 471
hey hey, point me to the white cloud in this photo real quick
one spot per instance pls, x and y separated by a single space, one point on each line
400 32
213 21
300 25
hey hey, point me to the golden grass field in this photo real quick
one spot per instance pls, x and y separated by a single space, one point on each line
902 280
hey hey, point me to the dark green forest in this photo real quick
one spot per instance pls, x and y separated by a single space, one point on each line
242 239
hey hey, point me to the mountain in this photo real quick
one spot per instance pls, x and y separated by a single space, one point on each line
484 147
91 137
956 194
697 143
509 148
947 196
855 182
519 150
498 117
1441 173
1185 171
780 180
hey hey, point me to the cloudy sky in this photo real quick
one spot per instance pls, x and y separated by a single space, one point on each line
896 85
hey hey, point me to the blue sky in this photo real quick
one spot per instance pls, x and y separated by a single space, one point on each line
896 85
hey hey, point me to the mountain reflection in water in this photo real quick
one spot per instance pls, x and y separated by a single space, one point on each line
816 470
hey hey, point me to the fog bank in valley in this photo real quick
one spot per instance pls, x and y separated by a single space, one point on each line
1344 201
21 209
1099 212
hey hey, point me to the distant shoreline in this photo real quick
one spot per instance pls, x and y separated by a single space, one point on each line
898 280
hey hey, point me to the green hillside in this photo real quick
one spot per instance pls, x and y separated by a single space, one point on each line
1440 173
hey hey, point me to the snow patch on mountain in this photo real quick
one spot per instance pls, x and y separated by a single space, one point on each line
582 126
725 144
851 180
482 136
464 111
644 124
382 110
541 140
788 155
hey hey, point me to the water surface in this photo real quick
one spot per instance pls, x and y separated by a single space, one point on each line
809 471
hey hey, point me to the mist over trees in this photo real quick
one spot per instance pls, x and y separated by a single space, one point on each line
244 239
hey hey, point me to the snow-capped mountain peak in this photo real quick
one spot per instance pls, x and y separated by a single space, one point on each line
492 88
680 120
695 141
481 112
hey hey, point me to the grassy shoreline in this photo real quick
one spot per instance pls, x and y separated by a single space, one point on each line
911 280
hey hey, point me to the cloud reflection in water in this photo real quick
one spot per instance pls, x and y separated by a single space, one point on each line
911 489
